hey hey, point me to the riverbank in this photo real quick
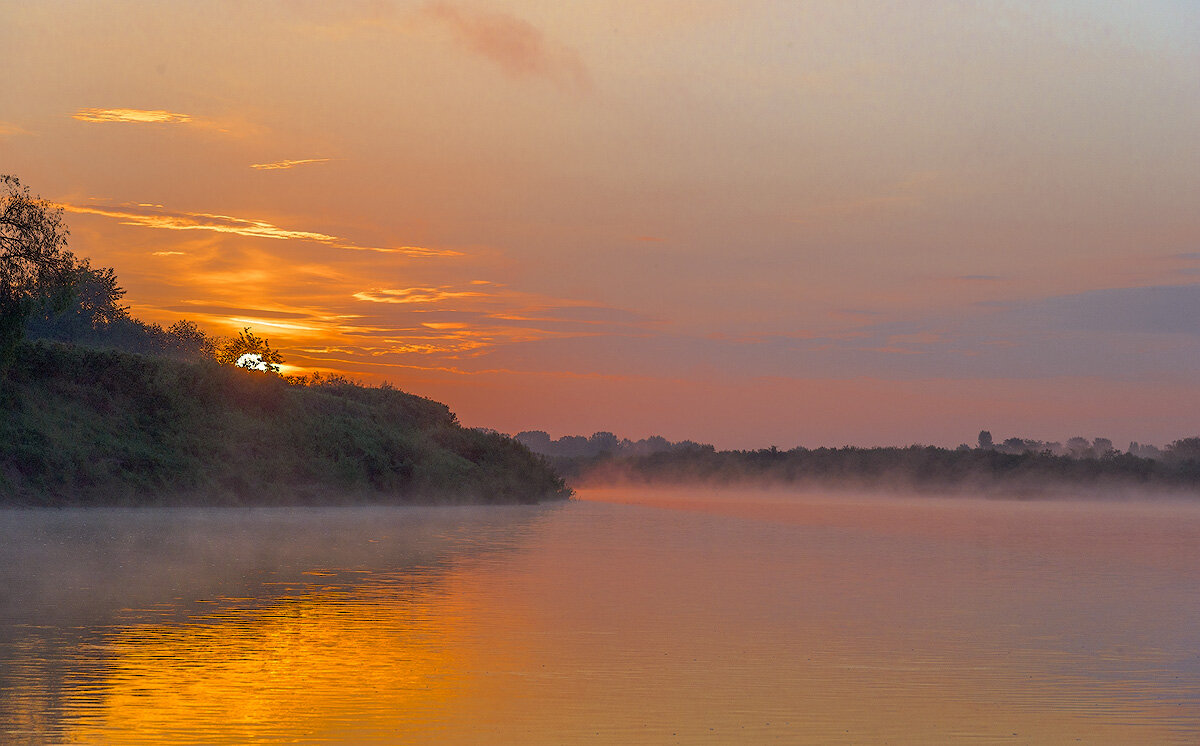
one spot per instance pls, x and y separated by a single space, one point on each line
82 426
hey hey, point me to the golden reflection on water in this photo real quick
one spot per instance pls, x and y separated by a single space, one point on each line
723 619
244 672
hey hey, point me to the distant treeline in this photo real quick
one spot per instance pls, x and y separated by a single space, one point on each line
1077 447
1029 469
599 444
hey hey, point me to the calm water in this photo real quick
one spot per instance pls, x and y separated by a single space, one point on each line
626 617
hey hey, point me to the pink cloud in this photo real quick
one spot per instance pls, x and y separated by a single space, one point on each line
515 45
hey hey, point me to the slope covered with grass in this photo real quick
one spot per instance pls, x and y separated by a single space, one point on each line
86 426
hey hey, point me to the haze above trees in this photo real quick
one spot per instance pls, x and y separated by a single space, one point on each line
1015 466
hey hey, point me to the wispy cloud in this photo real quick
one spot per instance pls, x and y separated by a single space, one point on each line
277 165
153 216
138 116
272 324
162 117
416 295
514 45
8 129
199 221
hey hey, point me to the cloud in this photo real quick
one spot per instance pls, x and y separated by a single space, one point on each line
233 312
8 129
235 126
272 324
278 165
579 314
1163 309
514 45
416 295
154 216
138 116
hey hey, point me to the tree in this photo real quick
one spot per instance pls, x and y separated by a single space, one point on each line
604 442
985 440
94 307
36 270
188 340
1185 449
250 352
537 441
1080 447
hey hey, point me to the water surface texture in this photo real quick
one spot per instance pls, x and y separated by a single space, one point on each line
625 617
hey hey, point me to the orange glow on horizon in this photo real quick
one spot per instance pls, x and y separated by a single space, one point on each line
830 194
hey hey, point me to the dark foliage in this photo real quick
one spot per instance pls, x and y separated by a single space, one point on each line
94 316
35 266
87 426
925 468
601 444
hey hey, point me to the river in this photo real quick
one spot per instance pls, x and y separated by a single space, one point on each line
624 617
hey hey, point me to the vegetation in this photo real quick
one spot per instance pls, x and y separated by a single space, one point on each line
248 351
35 266
87 426
1012 467
602 444
92 314
97 407
102 408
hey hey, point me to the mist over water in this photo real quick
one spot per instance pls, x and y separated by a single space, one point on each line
628 616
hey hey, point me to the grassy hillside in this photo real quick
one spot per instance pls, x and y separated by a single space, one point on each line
86 426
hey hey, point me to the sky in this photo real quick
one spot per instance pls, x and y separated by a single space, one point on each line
795 223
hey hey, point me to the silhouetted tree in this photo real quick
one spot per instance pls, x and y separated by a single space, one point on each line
188 340
94 306
573 445
1078 447
1144 450
604 442
537 441
1186 449
96 317
985 440
1013 445
35 266
250 352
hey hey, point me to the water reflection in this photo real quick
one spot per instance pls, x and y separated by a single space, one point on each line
721 618
145 626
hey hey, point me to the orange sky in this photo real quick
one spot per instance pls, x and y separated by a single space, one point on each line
746 223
